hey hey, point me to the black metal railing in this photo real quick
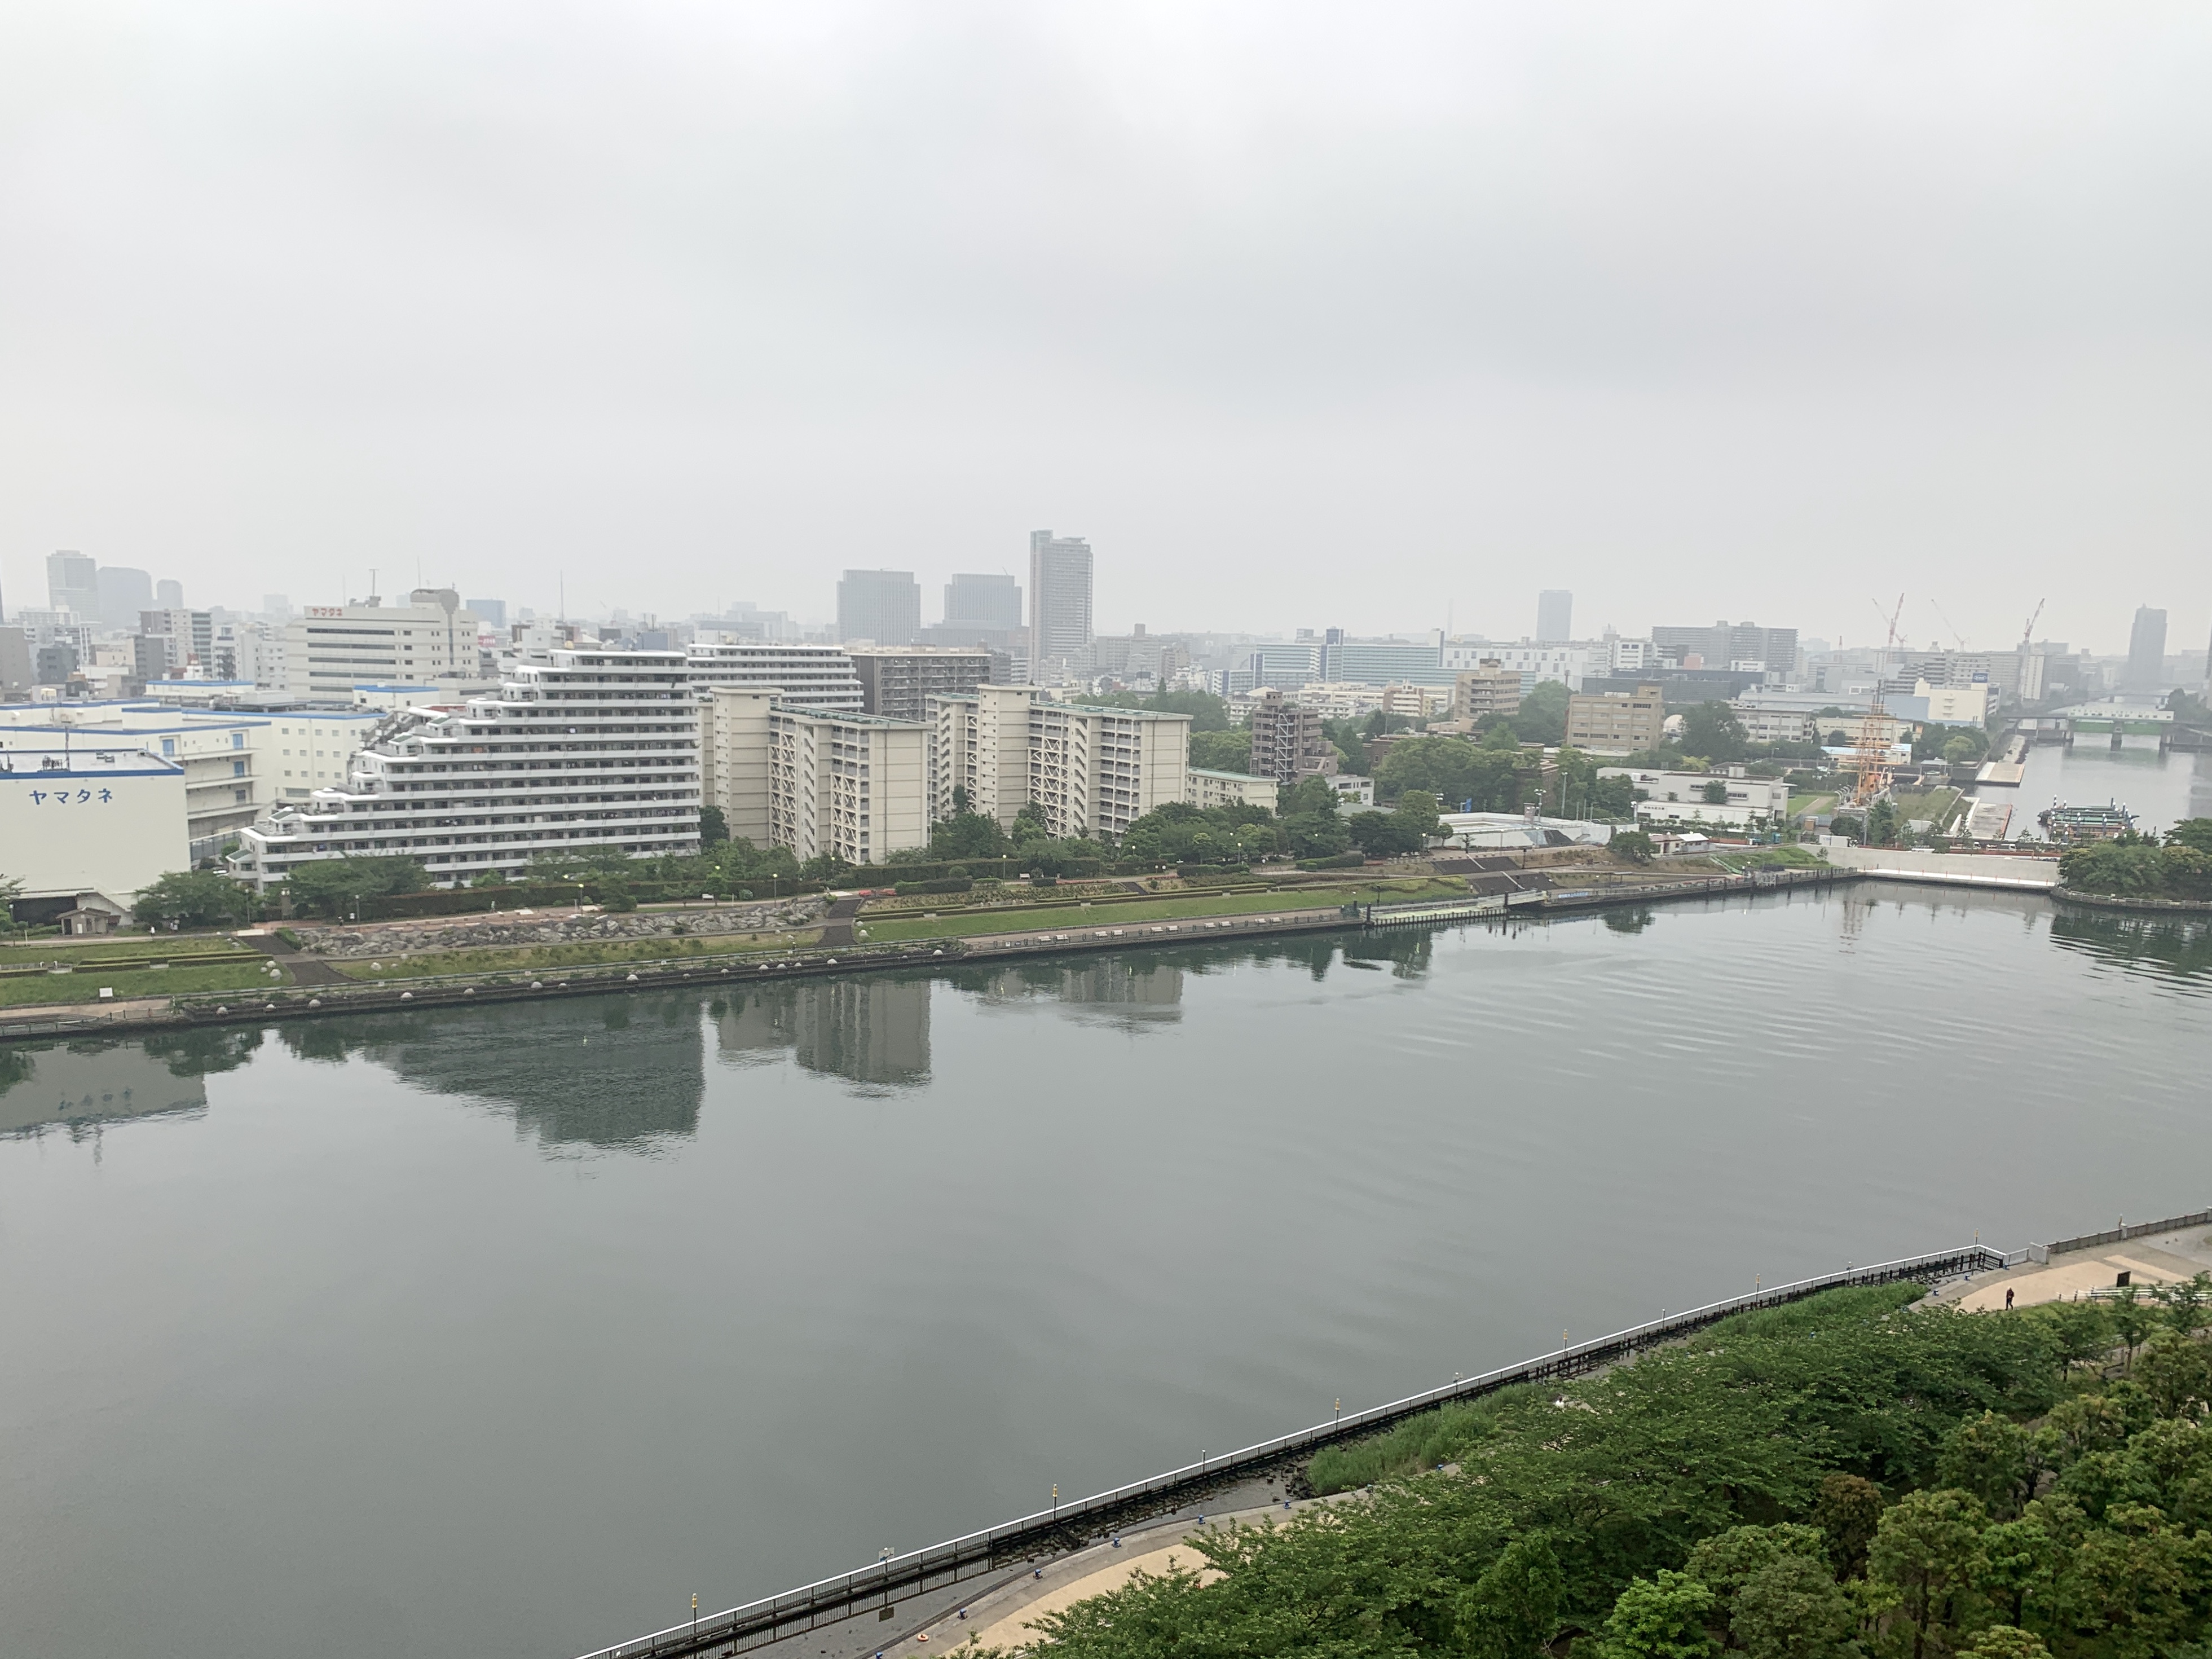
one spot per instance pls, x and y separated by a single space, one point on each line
881 1584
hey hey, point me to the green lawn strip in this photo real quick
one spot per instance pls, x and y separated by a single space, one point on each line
31 990
1814 804
1934 805
160 947
1070 917
528 958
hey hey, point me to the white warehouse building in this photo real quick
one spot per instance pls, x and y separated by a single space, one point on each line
589 749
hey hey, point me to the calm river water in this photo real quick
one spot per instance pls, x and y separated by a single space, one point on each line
504 1333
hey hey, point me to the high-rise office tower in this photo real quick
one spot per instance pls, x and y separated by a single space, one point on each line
881 606
1555 617
124 593
1060 600
169 596
277 606
2147 651
983 601
73 585
490 612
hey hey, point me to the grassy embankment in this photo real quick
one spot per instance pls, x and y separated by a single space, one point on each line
1769 858
1020 919
1937 806
535 958
1843 1477
126 967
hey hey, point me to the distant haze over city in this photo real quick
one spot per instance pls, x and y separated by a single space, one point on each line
1376 320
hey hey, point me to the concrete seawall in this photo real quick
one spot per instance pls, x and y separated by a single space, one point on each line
2015 870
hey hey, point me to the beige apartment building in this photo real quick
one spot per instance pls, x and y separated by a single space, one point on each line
1289 742
1090 771
816 781
1617 722
1095 771
980 742
1210 789
1489 688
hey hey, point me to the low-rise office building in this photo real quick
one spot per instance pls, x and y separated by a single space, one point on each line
332 647
1617 722
83 821
1682 798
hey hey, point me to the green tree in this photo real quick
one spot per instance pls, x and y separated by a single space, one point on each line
2195 833
2176 1374
1511 1612
713 827
2133 1317
1847 1511
1663 1617
1631 846
2006 1642
2080 1332
1030 824
1612 800
1222 752
1714 793
330 886
1729 1560
1791 1608
2020 1561
2184 1303
967 835
1542 716
194 898
1883 824
1712 731
1993 1458
1928 1548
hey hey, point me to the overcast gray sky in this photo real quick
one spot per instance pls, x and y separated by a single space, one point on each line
1369 315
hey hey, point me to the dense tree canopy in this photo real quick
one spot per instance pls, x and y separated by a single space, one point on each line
1464 777
327 886
1711 732
1842 1479
1542 716
1222 752
195 898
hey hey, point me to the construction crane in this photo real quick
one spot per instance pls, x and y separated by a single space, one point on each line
2028 655
1870 755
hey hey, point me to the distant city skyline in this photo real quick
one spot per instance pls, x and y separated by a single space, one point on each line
1322 321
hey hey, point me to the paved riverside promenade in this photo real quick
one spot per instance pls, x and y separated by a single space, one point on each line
2160 1259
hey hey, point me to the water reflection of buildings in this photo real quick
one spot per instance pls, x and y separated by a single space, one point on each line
77 1089
873 1031
618 1073
1132 993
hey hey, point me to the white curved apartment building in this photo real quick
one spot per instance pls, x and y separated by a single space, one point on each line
589 749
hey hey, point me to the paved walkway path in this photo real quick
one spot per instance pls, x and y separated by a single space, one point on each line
1001 1617
2163 1259
305 969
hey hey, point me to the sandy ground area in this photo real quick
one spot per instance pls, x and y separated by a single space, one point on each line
2161 1258
1002 1618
